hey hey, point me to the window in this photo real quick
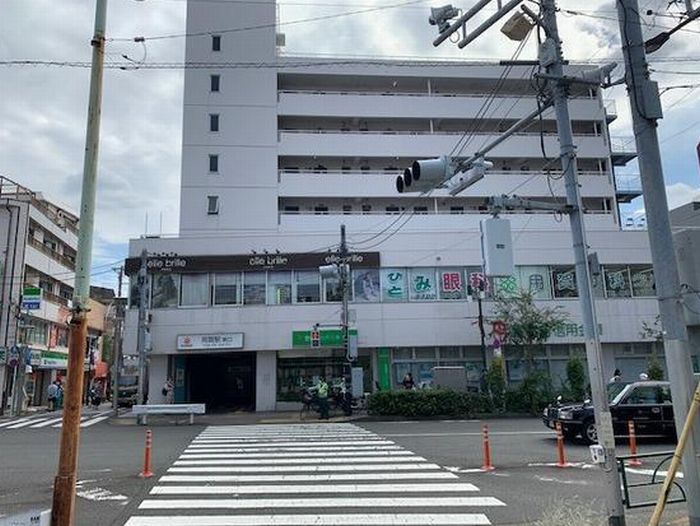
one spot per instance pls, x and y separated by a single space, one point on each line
165 291
213 163
227 289
366 209
643 280
216 42
643 395
254 288
617 281
456 210
420 210
194 290
366 285
215 83
291 209
333 291
536 281
564 282
279 288
321 210
308 288
212 205
422 284
394 284
392 209
452 284
213 122
347 209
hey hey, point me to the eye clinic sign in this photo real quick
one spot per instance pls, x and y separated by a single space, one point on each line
195 342
180 264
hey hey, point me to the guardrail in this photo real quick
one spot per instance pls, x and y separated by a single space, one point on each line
656 479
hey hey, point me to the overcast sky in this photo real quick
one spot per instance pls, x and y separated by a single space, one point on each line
43 109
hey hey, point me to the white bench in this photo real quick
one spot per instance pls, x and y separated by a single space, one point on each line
168 409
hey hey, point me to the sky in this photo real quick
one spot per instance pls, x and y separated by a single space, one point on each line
43 109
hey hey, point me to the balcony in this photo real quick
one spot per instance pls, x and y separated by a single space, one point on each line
627 187
53 254
622 150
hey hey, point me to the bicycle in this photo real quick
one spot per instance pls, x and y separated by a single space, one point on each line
309 403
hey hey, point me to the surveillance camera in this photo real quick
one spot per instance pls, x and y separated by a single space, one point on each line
440 16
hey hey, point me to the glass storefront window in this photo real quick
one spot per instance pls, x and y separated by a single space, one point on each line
333 292
366 285
254 288
279 288
643 280
425 353
452 284
227 289
450 353
394 284
295 374
194 290
165 291
617 281
423 286
403 354
308 288
564 282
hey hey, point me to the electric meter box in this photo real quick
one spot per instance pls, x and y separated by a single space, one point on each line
497 247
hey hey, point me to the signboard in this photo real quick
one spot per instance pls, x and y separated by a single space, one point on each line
200 342
54 360
423 286
31 298
328 338
384 368
34 357
178 264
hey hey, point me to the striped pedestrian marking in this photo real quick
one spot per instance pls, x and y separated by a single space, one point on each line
94 421
298 475
46 423
324 503
15 421
284 461
325 477
309 489
51 420
25 423
376 519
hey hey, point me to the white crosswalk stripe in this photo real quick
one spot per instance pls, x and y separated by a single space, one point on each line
52 420
307 474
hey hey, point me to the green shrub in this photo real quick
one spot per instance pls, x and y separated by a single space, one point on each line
428 402
575 379
654 369
496 385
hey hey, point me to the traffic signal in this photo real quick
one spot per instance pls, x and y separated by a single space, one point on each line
424 175
315 338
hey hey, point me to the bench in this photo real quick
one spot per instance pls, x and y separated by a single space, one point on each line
168 409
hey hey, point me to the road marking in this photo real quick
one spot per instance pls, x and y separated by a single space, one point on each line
100 495
377 519
214 454
25 423
471 434
562 481
284 461
236 449
305 444
324 503
331 467
16 421
313 477
82 419
313 488
94 421
660 475
47 422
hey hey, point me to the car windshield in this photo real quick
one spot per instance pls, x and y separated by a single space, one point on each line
614 389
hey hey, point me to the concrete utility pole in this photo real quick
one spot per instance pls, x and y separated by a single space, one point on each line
646 109
63 510
596 374
345 287
116 353
142 335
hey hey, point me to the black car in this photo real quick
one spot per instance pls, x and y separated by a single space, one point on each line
647 404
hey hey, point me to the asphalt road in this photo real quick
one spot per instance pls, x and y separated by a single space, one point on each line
111 454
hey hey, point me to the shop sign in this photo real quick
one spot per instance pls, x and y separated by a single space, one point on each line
423 287
194 342
34 357
179 264
572 330
54 360
394 284
327 338
31 298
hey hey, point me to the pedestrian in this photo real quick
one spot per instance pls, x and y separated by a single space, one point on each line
322 395
59 394
167 391
617 376
52 392
408 382
94 395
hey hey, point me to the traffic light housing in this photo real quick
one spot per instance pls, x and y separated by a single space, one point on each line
425 175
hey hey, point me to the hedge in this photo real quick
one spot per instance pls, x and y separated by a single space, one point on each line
428 402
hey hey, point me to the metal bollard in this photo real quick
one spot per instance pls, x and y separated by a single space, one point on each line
147 473
634 461
561 457
487 449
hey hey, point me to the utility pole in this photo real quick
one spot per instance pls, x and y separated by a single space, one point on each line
116 354
551 60
141 340
344 284
63 510
120 279
646 109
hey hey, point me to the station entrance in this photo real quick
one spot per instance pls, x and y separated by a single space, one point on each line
224 382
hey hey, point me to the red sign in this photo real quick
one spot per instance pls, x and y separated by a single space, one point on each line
451 281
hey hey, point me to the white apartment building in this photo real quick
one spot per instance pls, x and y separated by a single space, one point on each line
279 152
38 240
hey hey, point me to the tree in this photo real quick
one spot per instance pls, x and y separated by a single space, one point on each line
576 378
653 331
527 325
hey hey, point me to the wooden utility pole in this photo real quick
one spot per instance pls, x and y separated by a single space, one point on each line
63 510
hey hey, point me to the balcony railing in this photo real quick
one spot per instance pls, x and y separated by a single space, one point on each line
61 258
623 145
628 183
472 95
424 132
399 171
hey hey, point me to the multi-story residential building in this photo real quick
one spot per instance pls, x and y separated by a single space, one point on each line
276 157
39 240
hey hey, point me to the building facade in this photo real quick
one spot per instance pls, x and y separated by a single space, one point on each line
39 240
276 157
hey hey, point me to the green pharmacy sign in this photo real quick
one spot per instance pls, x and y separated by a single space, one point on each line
329 338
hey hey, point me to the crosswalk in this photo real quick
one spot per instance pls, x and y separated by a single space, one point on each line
307 474
52 420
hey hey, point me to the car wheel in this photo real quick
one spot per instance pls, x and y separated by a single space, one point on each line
589 433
